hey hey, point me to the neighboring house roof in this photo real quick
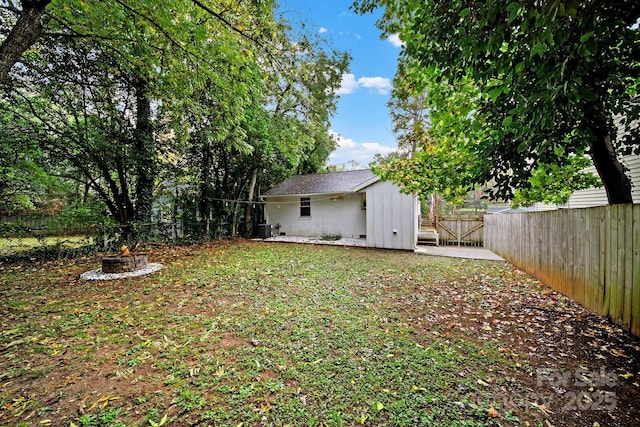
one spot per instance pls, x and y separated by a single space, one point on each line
323 183
509 210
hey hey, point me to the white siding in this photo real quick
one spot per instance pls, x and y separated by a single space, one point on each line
342 217
387 211
598 197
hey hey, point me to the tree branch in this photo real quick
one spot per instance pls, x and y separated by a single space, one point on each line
11 7
156 25
23 35
226 22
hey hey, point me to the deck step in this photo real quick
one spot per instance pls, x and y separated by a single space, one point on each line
428 237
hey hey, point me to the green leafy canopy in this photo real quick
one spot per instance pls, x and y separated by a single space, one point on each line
556 80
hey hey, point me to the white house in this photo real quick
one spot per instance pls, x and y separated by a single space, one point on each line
586 198
598 196
353 204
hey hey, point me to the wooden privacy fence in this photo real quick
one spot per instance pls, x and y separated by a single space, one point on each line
38 225
461 231
591 255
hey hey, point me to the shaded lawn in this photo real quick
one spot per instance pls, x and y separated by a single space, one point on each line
249 333
11 245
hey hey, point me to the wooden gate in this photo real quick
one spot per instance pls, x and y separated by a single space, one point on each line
461 231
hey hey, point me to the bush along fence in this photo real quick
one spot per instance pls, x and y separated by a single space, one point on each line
591 255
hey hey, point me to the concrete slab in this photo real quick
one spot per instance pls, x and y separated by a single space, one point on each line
317 240
458 252
450 251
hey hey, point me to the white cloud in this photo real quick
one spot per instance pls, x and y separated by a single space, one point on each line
349 84
361 153
380 84
394 39
323 30
356 36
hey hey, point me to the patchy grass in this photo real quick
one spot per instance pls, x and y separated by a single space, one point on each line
330 237
11 245
249 333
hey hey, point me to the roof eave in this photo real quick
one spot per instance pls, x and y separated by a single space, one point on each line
300 194
367 183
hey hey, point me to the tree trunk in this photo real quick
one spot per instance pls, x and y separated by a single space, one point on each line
23 35
616 182
144 149
248 217
205 199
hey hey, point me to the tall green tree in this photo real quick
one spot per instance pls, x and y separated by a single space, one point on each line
409 113
25 184
104 70
558 80
89 114
280 127
214 95
24 22
445 157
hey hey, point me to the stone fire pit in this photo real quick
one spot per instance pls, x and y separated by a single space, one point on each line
121 266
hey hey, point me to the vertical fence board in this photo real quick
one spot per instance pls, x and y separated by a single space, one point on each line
519 251
551 252
592 266
562 255
537 247
586 248
608 269
627 283
591 255
579 255
572 288
602 262
617 276
613 285
635 292
622 264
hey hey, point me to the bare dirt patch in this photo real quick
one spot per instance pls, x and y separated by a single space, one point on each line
568 366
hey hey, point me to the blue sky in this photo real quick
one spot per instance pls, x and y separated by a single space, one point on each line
362 124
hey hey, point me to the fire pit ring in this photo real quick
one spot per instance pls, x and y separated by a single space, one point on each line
98 274
123 264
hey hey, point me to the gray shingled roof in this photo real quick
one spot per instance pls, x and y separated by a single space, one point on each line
321 183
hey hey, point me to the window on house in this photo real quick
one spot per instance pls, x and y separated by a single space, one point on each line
363 201
305 206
